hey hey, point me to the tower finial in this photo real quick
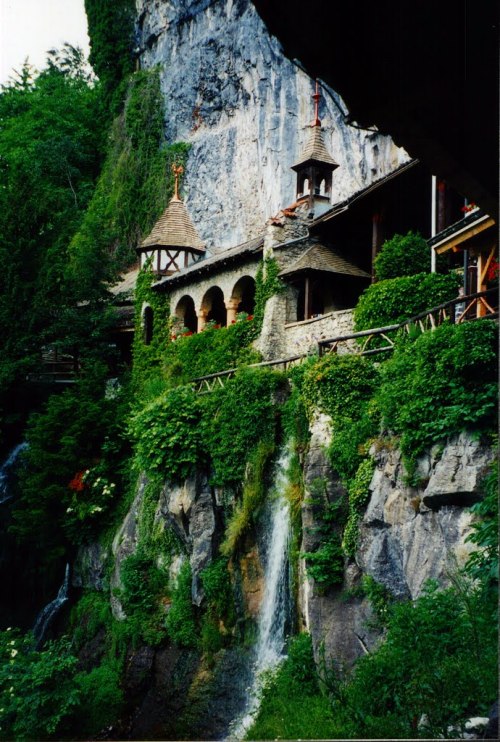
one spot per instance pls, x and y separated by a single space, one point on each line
316 97
177 170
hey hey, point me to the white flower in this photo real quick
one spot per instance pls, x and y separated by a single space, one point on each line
69 510
13 652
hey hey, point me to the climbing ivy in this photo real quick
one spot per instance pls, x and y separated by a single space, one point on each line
149 357
267 284
359 494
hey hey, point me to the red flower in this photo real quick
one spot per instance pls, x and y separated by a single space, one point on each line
250 316
77 484
493 270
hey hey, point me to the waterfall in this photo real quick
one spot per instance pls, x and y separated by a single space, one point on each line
47 614
275 608
5 472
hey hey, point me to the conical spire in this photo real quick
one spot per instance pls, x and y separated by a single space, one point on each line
173 243
174 228
315 150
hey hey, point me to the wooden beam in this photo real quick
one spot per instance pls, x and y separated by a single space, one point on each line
467 234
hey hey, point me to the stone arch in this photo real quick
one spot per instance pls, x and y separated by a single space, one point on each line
185 313
213 307
147 324
243 295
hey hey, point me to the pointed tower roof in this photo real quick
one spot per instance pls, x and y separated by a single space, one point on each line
315 150
174 228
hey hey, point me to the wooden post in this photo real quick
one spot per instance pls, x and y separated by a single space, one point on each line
307 299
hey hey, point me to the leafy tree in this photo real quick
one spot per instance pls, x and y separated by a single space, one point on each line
402 256
111 28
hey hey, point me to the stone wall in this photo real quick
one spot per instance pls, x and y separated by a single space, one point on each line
303 337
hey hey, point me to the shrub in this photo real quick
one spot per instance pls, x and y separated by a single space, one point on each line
102 698
452 370
396 299
169 438
359 494
37 691
402 256
181 623
238 417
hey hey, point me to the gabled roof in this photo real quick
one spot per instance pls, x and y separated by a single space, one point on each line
471 225
315 150
174 229
318 257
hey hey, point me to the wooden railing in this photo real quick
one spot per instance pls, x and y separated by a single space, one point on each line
424 321
456 311
55 368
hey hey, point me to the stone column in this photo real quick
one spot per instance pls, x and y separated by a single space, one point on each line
202 319
232 309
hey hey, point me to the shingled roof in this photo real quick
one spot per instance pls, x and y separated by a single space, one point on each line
315 150
321 258
174 229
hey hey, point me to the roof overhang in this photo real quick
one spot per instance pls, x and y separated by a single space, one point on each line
464 233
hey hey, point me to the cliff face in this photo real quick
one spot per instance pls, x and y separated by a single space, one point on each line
231 93
407 535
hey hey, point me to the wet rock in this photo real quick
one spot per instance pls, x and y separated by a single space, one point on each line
89 568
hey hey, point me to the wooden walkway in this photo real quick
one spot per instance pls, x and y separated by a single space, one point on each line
457 311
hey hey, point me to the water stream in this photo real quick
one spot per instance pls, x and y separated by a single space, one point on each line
48 614
275 608
5 472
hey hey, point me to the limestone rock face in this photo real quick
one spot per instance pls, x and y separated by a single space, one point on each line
403 541
244 107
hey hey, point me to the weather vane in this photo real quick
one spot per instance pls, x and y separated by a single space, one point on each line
177 170
316 96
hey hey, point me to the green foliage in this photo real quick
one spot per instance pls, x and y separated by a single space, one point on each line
37 692
133 188
144 586
439 659
483 563
292 706
402 256
101 698
267 284
67 437
149 358
50 149
220 614
211 351
181 622
326 563
359 494
396 299
238 417
380 599
111 29
169 438
452 370
343 387
254 492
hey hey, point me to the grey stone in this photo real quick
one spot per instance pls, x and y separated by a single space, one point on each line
456 477
245 109
89 568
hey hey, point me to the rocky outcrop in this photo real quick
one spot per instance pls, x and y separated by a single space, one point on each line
407 536
338 618
244 107
191 510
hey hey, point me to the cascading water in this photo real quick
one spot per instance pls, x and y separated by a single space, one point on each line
5 472
47 614
275 609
